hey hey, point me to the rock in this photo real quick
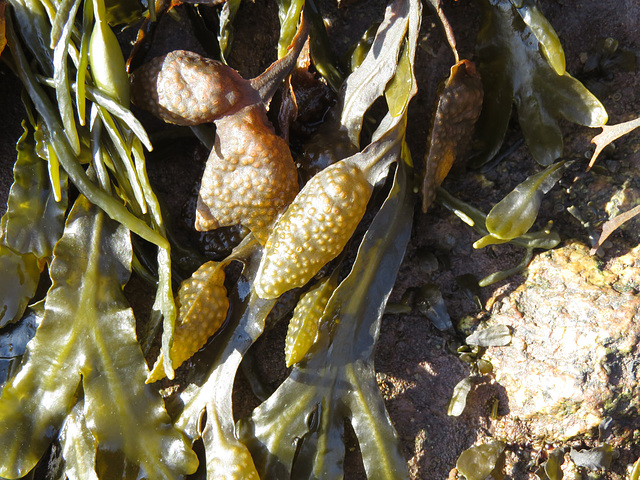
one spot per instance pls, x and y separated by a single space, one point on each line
573 359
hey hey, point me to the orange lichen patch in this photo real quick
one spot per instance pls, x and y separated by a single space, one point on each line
250 176
185 88
314 229
202 308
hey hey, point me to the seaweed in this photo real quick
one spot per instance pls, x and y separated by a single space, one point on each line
521 61
89 339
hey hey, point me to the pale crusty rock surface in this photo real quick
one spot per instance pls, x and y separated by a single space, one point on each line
573 359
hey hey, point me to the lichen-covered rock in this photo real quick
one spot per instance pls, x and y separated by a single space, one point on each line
573 359
314 229
250 176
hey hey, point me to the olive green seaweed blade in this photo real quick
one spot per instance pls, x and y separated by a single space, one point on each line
480 461
226 457
369 81
14 339
34 219
544 32
298 431
78 446
516 213
88 334
18 283
521 62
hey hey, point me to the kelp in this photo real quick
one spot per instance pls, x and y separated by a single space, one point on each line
457 109
87 336
480 461
596 458
226 456
358 304
34 219
18 283
78 446
14 339
202 308
521 62
459 396
545 238
428 300
33 225
516 213
511 219
62 148
30 228
472 353
320 48
338 381
289 12
115 150
551 469
635 471
225 34
370 79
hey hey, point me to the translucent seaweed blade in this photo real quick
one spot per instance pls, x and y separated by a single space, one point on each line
34 219
514 69
14 339
516 213
18 283
122 113
65 10
62 81
226 456
124 158
35 28
225 34
78 446
67 158
164 305
370 79
481 461
81 71
289 12
320 48
88 335
337 381
546 35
